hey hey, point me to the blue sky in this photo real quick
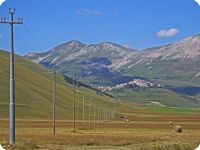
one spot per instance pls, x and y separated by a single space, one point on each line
134 23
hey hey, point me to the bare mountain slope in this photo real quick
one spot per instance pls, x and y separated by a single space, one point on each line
178 61
74 58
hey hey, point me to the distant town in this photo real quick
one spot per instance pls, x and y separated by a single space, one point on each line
134 84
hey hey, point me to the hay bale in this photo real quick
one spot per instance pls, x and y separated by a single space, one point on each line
171 123
1 148
127 120
198 148
178 128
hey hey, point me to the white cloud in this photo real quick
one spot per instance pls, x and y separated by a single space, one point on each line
2 1
89 12
165 33
198 1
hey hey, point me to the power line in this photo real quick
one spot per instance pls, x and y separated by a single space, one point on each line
29 33
31 37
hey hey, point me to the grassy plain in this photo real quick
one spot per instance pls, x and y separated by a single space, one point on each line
148 129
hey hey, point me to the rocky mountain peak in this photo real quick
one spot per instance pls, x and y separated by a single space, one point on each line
71 45
185 49
110 45
74 43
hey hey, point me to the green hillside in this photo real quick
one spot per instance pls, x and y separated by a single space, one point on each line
158 95
169 72
34 92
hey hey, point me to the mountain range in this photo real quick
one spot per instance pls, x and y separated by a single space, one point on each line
109 63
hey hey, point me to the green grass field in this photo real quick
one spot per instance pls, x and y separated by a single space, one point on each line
148 129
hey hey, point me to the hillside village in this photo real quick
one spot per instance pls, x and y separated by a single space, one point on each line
134 84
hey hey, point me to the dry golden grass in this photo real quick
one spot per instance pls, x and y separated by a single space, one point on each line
144 135
147 130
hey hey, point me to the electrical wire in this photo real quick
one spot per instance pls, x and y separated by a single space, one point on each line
29 33
31 37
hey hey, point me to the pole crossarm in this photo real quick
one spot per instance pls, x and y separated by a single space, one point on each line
11 12
5 22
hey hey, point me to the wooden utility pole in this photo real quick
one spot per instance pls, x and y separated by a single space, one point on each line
54 101
12 71
74 108
98 109
94 116
102 116
90 113
83 106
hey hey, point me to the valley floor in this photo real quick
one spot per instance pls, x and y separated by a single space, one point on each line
112 135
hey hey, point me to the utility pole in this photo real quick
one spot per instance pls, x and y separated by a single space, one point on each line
110 113
94 116
115 111
54 101
90 113
74 108
98 111
106 114
12 73
102 116
107 119
83 106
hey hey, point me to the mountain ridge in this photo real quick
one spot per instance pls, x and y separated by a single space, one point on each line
108 59
183 46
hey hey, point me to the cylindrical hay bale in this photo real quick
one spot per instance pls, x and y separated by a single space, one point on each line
171 123
178 128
